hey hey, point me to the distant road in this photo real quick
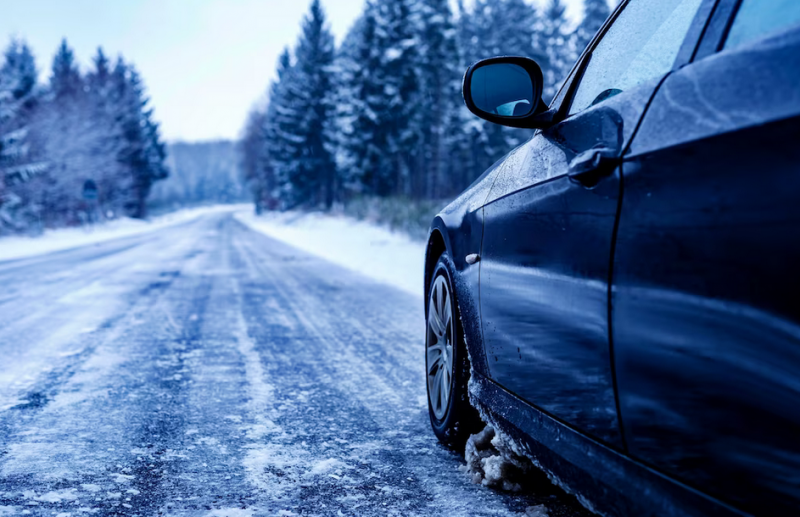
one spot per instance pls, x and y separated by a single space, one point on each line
205 369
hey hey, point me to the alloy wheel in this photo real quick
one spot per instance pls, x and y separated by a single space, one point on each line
439 353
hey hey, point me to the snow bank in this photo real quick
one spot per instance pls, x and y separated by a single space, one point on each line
65 238
377 252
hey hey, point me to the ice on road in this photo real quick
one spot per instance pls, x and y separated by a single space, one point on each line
206 369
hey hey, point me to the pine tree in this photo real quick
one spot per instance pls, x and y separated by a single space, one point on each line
439 78
362 106
595 13
397 40
17 165
497 28
380 99
304 114
66 79
141 151
112 179
250 150
272 157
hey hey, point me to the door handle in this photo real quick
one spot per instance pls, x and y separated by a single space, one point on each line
590 167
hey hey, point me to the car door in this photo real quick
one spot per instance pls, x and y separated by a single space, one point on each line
550 218
706 290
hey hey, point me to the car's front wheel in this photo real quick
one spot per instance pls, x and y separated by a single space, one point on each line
446 363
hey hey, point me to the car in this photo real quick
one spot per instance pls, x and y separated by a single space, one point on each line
620 295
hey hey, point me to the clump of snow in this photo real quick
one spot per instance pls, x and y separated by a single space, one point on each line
325 466
377 252
15 247
539 510
230 512
491 462
510 446
122 478
57 496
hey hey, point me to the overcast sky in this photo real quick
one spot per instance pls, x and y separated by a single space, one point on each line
205 62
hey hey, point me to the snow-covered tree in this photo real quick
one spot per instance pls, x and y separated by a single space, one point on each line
17 165
497 28
142 152
274 161
80 147
66 80
250 150
399 126
380 98
361 106
304 114
439 97
111 177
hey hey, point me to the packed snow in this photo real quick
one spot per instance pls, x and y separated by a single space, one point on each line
377 252
204 369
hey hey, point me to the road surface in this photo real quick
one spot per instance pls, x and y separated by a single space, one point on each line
205 369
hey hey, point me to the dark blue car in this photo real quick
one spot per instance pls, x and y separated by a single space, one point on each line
621 294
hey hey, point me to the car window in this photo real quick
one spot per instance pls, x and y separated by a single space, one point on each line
641 44
758 18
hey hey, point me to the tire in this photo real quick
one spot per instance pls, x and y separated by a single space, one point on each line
452 417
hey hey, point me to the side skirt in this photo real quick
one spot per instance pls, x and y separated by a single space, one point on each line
604 480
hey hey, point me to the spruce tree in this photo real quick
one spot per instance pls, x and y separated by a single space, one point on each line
397 41
17 163
362 106
66 81
497 28
304 116
272 159
112 178
142 152
439 95
250 150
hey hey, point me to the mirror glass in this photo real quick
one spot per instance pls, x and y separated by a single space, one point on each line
502 89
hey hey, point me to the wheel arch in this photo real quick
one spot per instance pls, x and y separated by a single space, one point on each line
464 288
436 248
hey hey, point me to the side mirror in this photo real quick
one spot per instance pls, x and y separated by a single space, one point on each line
506 90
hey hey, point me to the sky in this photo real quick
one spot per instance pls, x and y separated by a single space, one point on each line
205 63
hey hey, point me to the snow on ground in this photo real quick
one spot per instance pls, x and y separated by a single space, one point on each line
377 252
65 238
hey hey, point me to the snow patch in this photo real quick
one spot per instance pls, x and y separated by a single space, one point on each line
56 496
230 512
377 252
122 478
539 510
15 247
325 466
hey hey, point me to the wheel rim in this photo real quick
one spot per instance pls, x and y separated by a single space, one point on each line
439 353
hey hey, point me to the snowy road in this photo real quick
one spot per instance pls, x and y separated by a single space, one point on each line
205 369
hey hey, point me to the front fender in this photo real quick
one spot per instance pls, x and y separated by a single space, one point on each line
458 239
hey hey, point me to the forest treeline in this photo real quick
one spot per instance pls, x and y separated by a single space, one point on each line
382 114
80 148
199 173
